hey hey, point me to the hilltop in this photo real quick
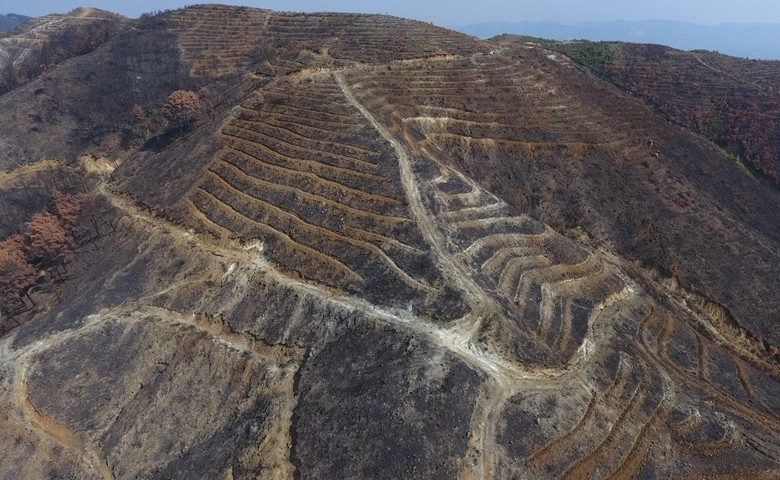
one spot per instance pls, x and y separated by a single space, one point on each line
262 244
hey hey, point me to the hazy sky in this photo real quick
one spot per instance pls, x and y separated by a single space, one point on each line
461 12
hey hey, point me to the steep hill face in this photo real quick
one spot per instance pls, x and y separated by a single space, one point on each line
43 42
379 251
732 101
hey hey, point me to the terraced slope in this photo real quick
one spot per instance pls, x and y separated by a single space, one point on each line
509 120
217 40
384 254
641 413
303 172
543 310
250 37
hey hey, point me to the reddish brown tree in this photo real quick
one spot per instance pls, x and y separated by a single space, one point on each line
16 274
203 93
207 100
69 208
181 108
48 240
138 114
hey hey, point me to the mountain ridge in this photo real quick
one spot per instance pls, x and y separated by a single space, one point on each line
11 20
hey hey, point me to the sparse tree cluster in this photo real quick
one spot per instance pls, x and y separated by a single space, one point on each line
138 117
180 110
48 243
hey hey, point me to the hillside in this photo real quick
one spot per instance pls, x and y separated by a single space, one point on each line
359 246
732 101
43 42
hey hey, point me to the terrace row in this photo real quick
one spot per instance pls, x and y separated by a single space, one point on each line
544 275
323 195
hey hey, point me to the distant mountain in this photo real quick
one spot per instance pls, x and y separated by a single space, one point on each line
758 41
11 20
